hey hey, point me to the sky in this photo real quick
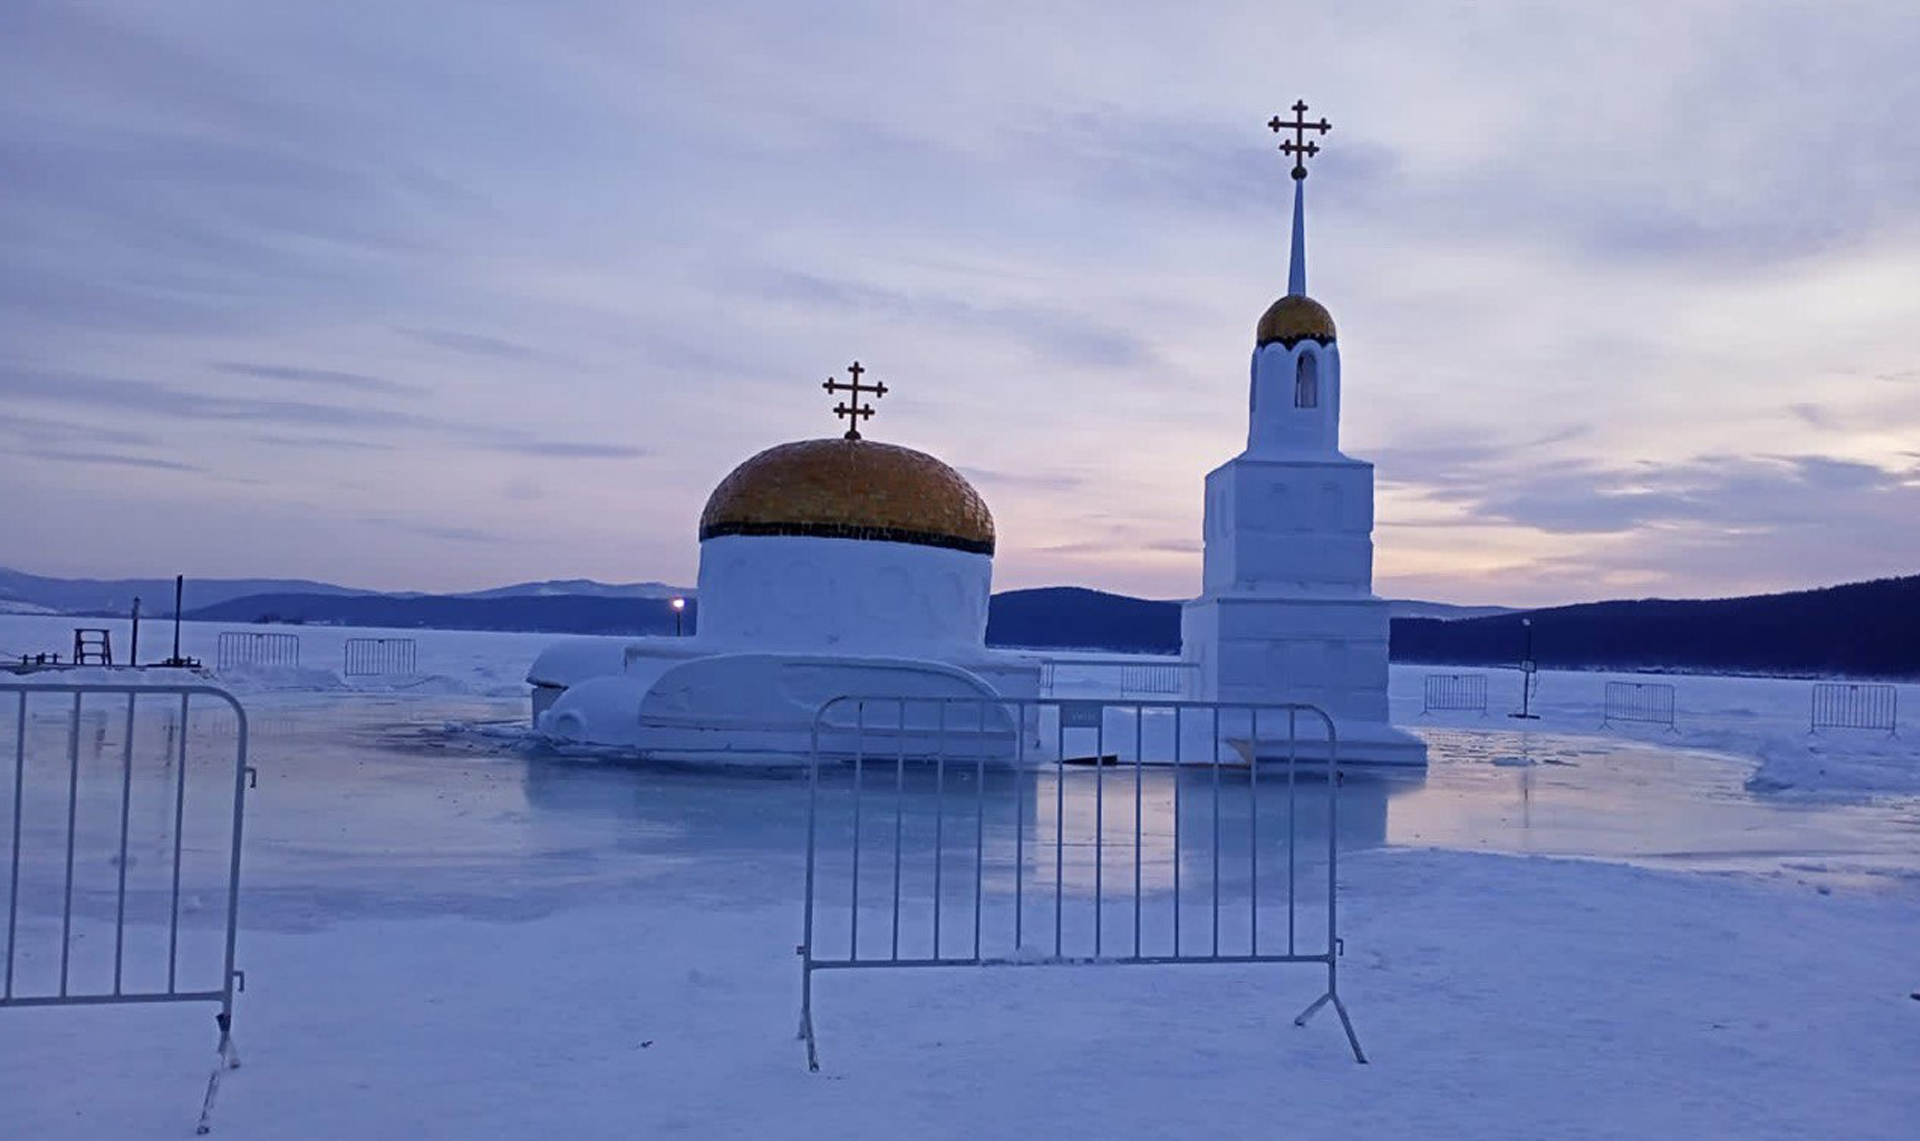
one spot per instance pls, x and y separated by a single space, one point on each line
444 294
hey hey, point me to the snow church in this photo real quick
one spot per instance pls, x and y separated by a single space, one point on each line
848 566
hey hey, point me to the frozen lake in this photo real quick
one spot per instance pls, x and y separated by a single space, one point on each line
375 804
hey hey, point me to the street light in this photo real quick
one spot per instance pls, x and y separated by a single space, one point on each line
679 608
1527 668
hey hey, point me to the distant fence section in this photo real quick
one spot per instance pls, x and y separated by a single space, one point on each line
123 877
1454 691
1854 705
1131 679
379 657
246 648
1645 701
948 832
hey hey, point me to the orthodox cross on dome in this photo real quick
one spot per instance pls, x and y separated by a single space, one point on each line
1298 146
851 410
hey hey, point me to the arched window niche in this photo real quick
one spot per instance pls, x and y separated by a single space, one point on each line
1306 381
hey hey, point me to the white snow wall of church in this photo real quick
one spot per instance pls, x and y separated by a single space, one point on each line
1277 423
785 592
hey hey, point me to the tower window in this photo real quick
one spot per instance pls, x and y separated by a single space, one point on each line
1306 382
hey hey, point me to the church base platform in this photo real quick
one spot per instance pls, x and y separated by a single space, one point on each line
1360 744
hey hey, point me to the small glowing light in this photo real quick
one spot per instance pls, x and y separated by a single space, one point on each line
679 604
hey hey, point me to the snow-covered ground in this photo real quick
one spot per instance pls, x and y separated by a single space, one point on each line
1559 932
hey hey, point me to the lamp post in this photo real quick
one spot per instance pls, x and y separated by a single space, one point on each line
1527 668
679 609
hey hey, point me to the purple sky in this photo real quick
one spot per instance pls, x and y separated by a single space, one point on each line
444 295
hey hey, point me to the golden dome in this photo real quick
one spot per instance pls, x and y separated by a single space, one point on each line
850 489
1295 318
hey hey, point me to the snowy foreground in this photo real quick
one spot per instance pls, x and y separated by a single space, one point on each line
449 935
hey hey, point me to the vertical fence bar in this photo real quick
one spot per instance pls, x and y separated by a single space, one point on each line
1059 823
939 821
1139 752
240 777
859 767
1099 826
13 869
126 805
899 814
1293 735
1253 839
1216 831
813 841
1179 778
979 822
73 817
1020 821
1333 856
179 837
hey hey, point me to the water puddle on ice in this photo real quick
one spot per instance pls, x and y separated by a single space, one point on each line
1640 800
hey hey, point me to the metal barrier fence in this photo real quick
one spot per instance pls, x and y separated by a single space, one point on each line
1175 840
1454 691
378 657
1648 701
245 648
1135 679
1855 705
114 821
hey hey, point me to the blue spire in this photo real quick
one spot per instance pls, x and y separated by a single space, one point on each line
1297 268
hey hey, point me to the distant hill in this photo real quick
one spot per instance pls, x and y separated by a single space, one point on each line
19 590
1059 617
1074 617
558 614
584 587
1408 608
115 596
1862 629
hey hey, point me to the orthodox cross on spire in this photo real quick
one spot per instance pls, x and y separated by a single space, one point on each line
851 410
1298 146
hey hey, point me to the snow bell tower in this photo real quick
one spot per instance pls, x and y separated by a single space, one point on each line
1287 612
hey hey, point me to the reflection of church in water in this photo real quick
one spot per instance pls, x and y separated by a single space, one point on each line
846 565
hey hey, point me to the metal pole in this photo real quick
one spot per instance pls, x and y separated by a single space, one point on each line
133 653
1527 668
13 869
179 591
